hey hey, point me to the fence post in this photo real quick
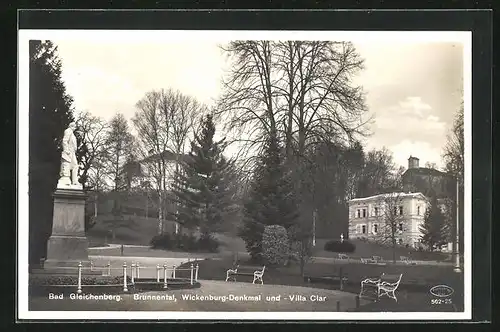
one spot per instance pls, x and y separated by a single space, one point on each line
157 273
357 301
196 274
164 276
79 291
173 273
132 270
109 268
338 306
137 267
341 279
192 268
125 277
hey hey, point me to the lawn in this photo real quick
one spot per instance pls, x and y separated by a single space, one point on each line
417 279
367 249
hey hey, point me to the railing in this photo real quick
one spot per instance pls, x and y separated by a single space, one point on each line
135 269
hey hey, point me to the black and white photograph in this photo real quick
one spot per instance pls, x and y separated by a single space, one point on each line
245 174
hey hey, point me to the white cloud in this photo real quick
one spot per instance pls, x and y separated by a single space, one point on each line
425 151
406 119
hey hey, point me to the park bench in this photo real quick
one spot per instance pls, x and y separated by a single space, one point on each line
246 271
386 284
368 261
343 257
407 260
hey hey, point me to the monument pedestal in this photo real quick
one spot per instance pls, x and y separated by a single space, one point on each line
68 245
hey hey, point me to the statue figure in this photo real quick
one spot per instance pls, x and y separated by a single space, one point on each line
69 164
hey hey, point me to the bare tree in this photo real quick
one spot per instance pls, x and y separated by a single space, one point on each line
183 113
93 131
152 127
454 159
392 220
249 101
454 151
119 144
301 90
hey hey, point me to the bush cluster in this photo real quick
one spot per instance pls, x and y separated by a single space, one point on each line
339 246
184 242
275 245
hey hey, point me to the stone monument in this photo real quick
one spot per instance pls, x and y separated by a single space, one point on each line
68 245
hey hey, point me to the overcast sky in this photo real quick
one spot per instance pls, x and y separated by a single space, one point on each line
413 89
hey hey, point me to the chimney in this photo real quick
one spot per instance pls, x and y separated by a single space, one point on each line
412 162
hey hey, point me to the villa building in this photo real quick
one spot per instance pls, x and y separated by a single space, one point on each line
370 217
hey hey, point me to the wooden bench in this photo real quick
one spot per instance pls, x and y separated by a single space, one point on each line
368 261
246 271
386 284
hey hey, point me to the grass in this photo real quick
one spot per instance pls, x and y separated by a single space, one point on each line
367 249
413 293
413 275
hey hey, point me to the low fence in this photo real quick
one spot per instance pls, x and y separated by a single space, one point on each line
134 270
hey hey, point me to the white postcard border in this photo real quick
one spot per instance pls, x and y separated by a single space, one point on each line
464 37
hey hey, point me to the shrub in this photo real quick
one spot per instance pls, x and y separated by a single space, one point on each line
339 246
184 242
162 242
275 244
208 243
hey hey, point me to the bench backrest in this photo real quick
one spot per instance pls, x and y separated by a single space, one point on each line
393 279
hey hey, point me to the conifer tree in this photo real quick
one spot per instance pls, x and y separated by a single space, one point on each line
271 200
434 229
50 112
201 187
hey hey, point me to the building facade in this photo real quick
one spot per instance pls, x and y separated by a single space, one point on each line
371 218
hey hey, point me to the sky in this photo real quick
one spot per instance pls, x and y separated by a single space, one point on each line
413 89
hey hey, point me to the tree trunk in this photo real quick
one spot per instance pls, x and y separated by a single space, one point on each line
160 214
393 249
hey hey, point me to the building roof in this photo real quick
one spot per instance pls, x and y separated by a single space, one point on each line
388 195
425 171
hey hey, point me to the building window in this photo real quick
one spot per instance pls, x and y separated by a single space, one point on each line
357 213
375 211
375 228
363 229
418 210
364 213
400 227
401 210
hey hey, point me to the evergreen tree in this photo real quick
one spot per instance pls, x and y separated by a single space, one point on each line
271 201
50 112
201 187
434 229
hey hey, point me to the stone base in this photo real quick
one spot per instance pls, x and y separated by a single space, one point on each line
67 248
